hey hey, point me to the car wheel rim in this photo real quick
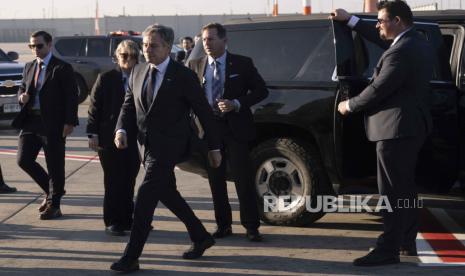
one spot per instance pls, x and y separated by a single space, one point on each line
279 177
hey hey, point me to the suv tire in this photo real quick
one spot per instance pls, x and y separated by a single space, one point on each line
287 166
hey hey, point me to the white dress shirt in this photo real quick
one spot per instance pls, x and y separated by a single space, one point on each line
161 70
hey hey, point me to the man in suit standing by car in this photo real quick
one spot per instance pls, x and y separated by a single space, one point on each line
397 118
232 85
160 95
49 98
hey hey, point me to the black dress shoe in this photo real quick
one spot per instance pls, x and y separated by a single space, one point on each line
222 232
254 236
198 248
115 230
375 258
5 189
125 265
408 251
50 213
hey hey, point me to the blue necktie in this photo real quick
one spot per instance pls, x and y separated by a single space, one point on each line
217 84
125 83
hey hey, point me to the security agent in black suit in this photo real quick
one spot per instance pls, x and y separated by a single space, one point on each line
49 99
232 85
397 118
160 95
120 167
187 44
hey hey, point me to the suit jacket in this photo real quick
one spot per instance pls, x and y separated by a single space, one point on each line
182 56
58 96
396 100
106 99
164 128
242 82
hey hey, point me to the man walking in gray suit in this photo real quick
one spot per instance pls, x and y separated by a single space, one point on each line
397 118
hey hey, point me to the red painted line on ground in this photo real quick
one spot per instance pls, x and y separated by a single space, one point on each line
445 244
41 154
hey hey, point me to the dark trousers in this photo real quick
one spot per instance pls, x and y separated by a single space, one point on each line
120 169
159 184
53 182
236 154
396 160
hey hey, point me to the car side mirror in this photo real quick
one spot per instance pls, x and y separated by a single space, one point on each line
13 55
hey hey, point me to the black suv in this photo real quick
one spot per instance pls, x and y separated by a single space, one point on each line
304 147
89 55
11 74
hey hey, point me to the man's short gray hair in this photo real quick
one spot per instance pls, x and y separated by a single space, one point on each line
166 33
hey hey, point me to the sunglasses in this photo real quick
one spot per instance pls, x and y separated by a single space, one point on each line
37 46
126 56
382 21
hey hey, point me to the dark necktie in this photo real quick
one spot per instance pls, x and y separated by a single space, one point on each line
150 87
125 83
217 84
37 75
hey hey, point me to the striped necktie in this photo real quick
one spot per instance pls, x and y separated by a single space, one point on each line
150 87
217 84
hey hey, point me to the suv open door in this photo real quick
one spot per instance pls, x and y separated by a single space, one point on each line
439 159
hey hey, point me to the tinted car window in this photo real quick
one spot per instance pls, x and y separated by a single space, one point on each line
98 47
300 54
69 47
368 54
448 43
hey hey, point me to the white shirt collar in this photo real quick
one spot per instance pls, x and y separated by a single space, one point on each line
162 66
46 59
221 59
399 36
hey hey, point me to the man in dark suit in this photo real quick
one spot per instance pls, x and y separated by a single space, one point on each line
160 95
397 118
120 167
232 85
49 99
187 44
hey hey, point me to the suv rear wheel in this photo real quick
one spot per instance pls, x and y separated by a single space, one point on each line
291 168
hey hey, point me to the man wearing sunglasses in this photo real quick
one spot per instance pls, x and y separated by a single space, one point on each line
48 97
397 118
